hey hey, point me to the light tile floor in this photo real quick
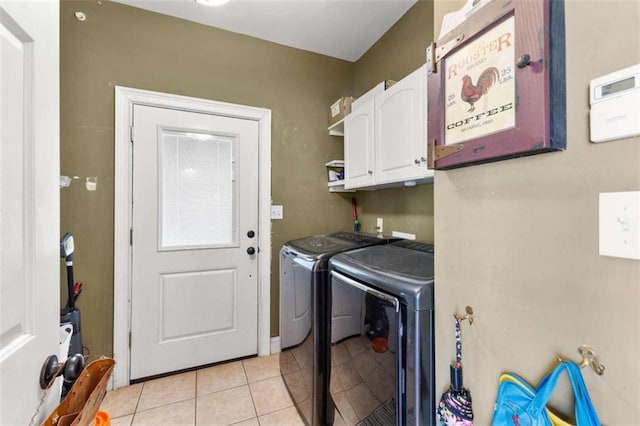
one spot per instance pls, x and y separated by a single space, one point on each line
247 392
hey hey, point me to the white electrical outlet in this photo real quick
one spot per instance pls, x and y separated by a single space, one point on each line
619 227
379 227
276 212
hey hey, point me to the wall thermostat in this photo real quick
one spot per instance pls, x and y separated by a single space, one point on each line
615 105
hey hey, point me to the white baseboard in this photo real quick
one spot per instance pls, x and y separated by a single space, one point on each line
275 345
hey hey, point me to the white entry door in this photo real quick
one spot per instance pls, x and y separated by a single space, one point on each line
194 240
29 207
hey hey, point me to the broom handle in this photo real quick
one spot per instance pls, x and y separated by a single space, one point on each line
70 297
458 344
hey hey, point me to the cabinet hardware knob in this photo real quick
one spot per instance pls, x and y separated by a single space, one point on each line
523 61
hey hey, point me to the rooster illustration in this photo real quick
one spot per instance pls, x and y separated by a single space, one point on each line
470 93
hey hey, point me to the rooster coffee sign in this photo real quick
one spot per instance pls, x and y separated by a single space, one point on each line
480 86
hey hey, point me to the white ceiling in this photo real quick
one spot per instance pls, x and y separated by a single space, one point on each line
344 29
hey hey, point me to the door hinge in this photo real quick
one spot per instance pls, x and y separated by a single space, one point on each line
131 134
131 236
129 340
436 52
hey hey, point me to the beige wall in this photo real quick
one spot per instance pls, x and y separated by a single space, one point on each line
518 241
120 45
398 53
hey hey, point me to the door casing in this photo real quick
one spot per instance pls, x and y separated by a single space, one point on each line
126 98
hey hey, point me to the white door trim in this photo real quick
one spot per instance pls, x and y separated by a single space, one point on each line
126 98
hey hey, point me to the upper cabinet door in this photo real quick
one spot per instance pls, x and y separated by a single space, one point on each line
358 146
400 124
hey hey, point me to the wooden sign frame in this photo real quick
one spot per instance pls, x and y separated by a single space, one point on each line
496 85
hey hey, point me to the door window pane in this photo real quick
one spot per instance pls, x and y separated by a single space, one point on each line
197 190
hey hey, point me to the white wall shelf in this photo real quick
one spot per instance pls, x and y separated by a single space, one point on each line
337 129
338 186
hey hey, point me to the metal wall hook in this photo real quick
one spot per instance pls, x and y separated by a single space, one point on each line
469 315
589 358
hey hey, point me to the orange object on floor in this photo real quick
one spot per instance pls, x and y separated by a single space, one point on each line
379 344
102 419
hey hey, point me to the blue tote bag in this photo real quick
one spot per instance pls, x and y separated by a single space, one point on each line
519 404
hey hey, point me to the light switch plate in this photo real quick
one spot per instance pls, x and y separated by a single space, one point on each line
276 212
619 227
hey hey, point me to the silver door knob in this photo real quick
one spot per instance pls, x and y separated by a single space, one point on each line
70 369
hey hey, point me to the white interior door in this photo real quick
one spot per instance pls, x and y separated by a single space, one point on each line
29 206
195 222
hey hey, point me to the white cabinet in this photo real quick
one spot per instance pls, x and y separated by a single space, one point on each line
385 137
358 146
400 130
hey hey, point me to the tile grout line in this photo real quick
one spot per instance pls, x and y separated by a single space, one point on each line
253 402
195 402
135 410
247 382
160 406
292 403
